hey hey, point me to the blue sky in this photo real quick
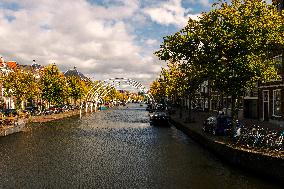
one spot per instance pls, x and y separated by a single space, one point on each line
102 38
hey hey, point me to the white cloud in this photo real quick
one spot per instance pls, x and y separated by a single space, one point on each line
205 3
95 39
151 42
99 40
170 12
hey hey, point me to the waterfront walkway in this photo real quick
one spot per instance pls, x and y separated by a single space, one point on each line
52 117
264 162
199 117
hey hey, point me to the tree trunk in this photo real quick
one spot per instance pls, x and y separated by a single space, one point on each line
189 109
189 119
234 114
180 109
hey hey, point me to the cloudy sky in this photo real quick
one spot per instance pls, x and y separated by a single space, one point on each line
102 38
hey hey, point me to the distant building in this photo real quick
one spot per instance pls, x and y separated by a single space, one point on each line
34 68
5 68
76 73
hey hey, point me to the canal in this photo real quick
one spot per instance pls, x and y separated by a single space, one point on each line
113 149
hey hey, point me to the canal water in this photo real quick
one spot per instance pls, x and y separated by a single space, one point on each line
115 148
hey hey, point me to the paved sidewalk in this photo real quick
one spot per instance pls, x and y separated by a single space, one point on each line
52 117
199 117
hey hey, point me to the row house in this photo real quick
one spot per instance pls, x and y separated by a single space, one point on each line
9 66
271 94
207 99
5 68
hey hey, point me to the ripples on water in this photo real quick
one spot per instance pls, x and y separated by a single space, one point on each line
112 149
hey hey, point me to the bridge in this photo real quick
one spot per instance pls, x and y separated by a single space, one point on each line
102 88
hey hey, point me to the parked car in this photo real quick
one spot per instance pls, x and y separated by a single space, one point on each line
160 107
150 108
56 109
219 125
31 109
10 112
160 118
74 107
47 112
65 108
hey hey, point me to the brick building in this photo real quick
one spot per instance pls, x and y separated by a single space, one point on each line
271 94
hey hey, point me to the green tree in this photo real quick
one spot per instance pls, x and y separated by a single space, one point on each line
157 89
76 88
242 37
54 86
231 45
186 70
22 85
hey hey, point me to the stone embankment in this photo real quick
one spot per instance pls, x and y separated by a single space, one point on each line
15 127
20 125
267 165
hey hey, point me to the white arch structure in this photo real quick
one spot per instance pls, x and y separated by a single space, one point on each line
103 88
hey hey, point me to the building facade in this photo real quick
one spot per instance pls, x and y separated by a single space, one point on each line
6 68
271 94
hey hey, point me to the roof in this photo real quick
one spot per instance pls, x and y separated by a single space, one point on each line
36 66
10 64
74 72
25 67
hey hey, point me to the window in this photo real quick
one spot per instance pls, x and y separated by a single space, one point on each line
278 62
277 102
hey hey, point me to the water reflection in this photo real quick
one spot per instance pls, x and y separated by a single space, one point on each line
113 149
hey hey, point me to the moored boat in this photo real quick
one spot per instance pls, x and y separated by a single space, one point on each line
160 118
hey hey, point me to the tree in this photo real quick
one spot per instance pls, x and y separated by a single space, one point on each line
76 88
231 45
242 37
54 86
157 90
22 85
186 59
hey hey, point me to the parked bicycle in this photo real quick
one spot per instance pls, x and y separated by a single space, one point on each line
260 138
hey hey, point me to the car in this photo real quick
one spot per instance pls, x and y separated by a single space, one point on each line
160 118
56 109
47 112
150 108
219 125
160 107
31 109
65 108
10 112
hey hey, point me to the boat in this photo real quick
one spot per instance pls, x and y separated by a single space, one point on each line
160 118
103 108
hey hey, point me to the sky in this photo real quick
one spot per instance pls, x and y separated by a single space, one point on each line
102 38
